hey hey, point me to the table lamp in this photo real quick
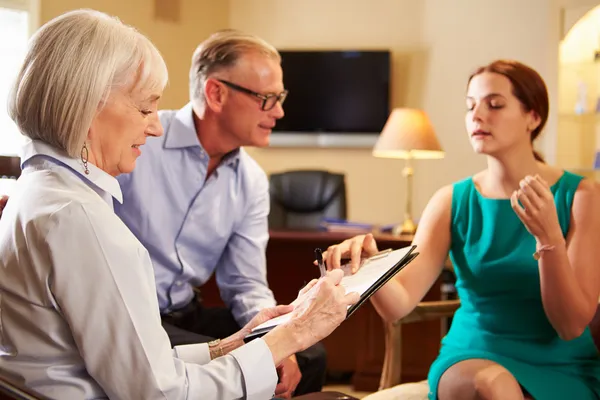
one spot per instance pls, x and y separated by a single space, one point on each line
408 134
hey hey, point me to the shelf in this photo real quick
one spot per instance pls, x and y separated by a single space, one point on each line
582 170
586 63
580 116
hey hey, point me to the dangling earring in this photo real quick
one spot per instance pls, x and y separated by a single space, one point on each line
84 158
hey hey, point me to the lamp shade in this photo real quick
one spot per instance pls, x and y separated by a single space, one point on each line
408 133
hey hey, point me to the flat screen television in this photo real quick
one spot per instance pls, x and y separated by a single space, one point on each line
336 98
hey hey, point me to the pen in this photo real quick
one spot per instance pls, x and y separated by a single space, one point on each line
381 254
319 257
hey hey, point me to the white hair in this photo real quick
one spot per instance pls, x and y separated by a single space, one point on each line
221 51
73 64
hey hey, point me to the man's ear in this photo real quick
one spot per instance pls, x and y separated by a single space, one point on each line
215 94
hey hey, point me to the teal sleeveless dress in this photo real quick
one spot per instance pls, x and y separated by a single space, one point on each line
501 317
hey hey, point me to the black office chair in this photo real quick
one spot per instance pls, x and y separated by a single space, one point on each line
300 199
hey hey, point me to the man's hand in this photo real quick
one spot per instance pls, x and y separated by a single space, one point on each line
289 377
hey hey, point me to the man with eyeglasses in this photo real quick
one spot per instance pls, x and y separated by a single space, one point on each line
199 203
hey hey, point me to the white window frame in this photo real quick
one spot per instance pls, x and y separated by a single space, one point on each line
32 7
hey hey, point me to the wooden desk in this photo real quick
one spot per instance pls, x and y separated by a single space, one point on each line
10 167
358 344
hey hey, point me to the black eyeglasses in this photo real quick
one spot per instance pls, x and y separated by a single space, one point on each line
268 100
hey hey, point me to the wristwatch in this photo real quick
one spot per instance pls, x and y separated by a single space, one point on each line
215 349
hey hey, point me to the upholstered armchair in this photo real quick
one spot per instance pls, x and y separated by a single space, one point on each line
391 386
10 390
425 311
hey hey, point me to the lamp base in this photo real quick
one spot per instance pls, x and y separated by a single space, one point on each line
408 227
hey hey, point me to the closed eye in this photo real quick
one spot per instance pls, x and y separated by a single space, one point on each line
491 106
493 101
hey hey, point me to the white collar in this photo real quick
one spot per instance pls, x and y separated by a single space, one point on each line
96 177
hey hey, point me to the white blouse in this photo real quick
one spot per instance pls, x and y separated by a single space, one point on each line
78 307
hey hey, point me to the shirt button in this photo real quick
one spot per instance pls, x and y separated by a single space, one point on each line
178 283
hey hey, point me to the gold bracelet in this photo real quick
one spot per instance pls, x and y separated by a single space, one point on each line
215 344
538 253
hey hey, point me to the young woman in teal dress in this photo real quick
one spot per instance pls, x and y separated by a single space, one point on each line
522 238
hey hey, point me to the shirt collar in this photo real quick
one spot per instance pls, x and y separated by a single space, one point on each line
182 133
232 159
96 177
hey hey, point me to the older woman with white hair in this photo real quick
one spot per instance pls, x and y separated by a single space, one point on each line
78 309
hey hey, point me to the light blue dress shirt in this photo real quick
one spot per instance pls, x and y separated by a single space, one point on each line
193 226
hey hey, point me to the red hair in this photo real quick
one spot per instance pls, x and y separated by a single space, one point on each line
528 87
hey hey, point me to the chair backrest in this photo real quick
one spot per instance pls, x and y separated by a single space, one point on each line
325 396
595 327
10 390
300 199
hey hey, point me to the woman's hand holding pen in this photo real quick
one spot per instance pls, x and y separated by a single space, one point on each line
356 248
303 293
323 307
263 316
237 339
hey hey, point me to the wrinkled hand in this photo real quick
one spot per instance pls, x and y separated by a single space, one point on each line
237 339
538 211
263 316
303 293
323 309
358 247
289 377
3 200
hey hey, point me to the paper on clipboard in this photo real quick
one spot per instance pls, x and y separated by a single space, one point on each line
373 274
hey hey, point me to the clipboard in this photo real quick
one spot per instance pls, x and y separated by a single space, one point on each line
408 255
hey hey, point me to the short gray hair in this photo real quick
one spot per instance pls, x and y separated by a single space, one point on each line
221 51
73 63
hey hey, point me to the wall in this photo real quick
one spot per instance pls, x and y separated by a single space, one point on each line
176 40
436 43
578 136
374 185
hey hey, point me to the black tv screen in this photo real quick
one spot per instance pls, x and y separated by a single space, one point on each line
335 91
